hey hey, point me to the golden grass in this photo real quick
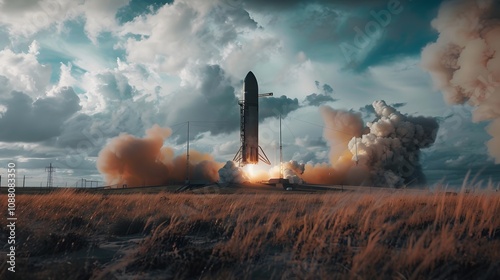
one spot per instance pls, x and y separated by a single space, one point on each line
281 236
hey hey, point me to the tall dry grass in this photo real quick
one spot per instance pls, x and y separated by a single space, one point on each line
338 235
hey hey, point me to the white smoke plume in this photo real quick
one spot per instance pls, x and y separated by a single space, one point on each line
292 170
230 173
464 62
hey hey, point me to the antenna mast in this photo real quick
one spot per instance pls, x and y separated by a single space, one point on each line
187 156
281 153
356 148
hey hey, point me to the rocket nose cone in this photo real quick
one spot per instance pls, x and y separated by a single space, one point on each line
250 77
250 89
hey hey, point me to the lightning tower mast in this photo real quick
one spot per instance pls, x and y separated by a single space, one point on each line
281 153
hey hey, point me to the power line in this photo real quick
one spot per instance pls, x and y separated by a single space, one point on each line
322 126
179 128
329 128
289 130
213 121
183 123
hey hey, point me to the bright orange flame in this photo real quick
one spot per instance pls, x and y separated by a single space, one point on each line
256 173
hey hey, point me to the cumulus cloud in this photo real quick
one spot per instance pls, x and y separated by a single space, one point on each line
27 17
201 29
210 99
100 16
28 120
317 99
22 72
210 102
307 141
103 88
144 79
247 53
274 106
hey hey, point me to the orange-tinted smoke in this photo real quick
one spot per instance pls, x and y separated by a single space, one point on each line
340 127
131 161
464 62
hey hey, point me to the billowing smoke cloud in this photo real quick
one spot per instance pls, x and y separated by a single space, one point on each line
231 173
391 148
128 160
465 60
385 153
292 170
340 127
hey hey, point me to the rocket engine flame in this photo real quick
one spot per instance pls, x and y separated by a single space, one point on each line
249 171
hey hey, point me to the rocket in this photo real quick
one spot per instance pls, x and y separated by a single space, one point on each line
250 152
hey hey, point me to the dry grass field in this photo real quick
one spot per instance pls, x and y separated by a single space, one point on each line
348 235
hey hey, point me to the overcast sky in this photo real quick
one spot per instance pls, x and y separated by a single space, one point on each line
74 74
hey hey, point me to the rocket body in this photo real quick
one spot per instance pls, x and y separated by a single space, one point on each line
250 120
250 152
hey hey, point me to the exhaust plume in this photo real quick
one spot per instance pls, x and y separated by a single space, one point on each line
384 153
131 161
391 148
230 173
340 127
464 62
292 170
